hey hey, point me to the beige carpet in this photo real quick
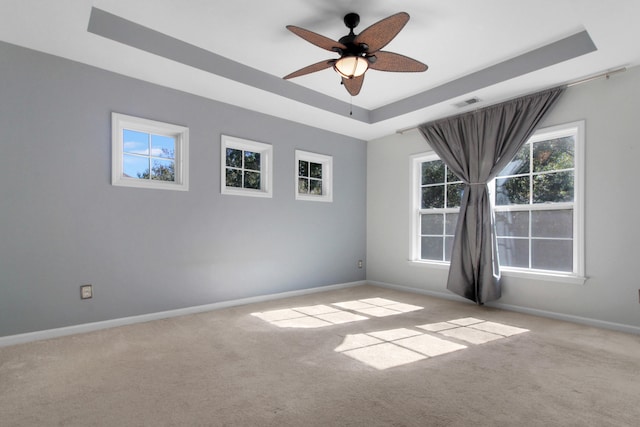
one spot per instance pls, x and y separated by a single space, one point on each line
362 356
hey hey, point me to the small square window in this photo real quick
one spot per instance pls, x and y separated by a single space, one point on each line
148 154
314 177
246 167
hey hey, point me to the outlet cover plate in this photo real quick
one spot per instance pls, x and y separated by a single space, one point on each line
86 291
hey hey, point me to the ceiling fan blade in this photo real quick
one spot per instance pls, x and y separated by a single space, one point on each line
389 61
382 32
316 39
353 85
318 66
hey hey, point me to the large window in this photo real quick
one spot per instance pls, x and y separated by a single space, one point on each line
537 201
439 194
148 153
246 167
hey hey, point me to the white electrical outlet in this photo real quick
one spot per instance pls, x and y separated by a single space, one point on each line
86 291
359 263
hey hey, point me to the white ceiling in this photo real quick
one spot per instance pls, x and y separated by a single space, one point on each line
457 39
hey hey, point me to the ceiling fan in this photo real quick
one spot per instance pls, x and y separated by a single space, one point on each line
360 52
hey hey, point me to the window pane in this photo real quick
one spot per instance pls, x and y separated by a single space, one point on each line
431 248
448 245
135 142
454 195
432 224
512 191
433 197
451 177
512 224
234 178
553 155
163 146
252 160
432 172
519 164
556 223
303 185
135 166
554 255
514 252
163 170
252 180
315 170
234 158
303 168
450 223
553 187
315 187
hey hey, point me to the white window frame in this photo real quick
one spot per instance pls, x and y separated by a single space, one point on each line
417 211
266 166
120 122
327 176
577 276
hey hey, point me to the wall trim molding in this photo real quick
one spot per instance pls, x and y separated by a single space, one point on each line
620 327
123 321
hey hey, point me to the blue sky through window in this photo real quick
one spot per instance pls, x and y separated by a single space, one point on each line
163 146
135 142
140 148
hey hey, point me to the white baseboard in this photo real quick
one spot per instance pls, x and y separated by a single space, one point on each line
620 327
105 324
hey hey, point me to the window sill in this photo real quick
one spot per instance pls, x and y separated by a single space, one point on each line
547 277
245 192
309 198
430 264
147 183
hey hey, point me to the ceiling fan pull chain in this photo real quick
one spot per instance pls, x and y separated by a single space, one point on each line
351 106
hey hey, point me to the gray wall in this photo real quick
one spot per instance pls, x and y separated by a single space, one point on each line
610 110
62 224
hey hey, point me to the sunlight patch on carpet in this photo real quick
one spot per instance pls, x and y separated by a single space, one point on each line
473 336
339 317
301 322
437 327
312 316
384 356
465 321
472 330
377 307
396 347
430 345
354 341
499 328
394 334
321 315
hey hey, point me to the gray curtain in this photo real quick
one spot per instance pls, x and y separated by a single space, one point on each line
476 146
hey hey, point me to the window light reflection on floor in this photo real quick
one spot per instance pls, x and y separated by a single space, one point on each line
314 316
377 307
396 347
318 316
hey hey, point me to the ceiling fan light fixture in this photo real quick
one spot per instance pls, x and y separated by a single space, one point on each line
359 52
351 66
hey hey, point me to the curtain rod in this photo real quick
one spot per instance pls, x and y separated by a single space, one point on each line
577 82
